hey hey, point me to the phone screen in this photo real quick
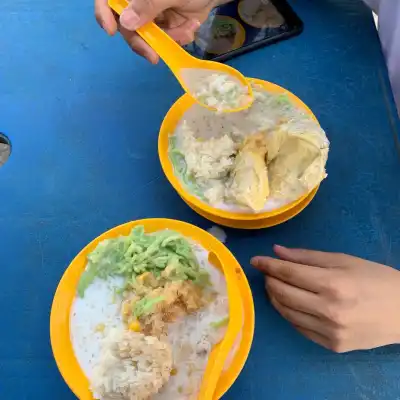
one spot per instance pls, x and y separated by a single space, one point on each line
240 26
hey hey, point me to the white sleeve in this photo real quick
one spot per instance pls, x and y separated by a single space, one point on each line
373 4
389 32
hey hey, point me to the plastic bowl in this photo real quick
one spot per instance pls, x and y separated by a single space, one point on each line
66 292
223 217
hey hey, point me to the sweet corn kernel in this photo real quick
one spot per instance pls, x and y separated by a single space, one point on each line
142 277
100 328
134 326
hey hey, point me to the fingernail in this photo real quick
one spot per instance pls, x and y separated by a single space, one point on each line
129 19
154 60
255 261
279 247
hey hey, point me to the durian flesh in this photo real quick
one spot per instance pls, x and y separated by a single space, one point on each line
249 177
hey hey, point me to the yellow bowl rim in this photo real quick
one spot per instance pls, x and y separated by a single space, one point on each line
66 291
260 223
185 102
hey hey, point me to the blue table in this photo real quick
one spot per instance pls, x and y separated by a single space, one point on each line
83 115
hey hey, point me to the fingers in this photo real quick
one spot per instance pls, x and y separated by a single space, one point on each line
139 12
314 336
308 325
184 33
310 257
139 45
105 17
302 276
297 318
293 297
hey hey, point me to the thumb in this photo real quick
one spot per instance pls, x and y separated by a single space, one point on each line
139 12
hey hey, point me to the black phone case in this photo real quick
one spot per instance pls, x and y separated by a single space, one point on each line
292 26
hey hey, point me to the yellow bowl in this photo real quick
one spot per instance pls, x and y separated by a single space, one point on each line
66 292
223 217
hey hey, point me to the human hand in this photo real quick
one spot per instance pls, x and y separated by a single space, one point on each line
342 302
179 18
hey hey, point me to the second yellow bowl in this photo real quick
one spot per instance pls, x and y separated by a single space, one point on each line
66 291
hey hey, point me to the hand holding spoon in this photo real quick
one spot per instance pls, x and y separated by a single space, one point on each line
213 85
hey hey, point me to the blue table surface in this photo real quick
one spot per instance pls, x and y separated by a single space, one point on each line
83 115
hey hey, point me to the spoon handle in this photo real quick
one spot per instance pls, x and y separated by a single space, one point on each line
219 355
171 52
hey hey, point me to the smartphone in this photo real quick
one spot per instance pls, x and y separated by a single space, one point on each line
245 25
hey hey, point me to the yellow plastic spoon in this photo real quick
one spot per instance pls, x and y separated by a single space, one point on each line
180 62
219 355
